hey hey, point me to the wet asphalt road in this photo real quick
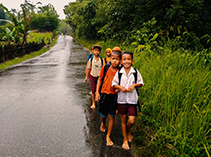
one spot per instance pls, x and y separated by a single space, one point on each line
45 108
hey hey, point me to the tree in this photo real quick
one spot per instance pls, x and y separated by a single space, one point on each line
81 17
26 21
48 10
120 19
29 7
46 19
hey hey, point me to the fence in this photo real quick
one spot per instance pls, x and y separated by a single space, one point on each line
11 51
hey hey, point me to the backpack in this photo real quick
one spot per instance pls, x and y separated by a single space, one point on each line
135 76
90 56
105 60
92 60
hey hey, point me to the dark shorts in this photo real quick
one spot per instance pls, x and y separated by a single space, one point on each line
108 105
129 109
93 83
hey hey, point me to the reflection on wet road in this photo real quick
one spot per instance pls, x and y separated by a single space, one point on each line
45 107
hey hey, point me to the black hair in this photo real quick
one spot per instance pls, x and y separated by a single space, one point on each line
128 52
117 53
97 48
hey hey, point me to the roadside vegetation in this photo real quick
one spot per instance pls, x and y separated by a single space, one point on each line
34 23
172 47
32 54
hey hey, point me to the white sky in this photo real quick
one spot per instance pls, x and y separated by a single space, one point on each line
58 4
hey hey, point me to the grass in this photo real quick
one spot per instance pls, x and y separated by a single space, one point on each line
38 37
27 56
176 102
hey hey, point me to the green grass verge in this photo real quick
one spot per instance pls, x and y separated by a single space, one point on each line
27 56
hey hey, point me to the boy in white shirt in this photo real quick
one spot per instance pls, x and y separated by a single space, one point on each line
127 97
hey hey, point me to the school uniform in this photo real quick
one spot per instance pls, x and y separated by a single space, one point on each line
129 98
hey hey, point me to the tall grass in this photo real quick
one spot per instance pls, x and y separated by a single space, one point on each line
175 103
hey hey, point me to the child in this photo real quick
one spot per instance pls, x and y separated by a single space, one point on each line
108 98
127 97
95 65
108 55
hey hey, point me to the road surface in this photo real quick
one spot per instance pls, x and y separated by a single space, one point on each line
45 108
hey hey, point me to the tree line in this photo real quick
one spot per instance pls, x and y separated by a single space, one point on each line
122 20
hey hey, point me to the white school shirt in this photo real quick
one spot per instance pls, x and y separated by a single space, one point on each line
127 81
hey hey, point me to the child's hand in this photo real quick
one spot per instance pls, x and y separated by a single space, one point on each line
85 80
131 88
124 90
117 90
97 96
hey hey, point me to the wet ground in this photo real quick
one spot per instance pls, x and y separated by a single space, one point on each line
45 108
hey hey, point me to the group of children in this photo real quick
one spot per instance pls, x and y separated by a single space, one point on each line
113 83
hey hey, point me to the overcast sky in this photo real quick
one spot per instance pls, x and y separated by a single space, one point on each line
58 4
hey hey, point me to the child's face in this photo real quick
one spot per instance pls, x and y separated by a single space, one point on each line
108 53
115 60
127 60
96 52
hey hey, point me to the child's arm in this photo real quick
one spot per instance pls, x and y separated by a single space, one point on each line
97 94
86 67
138 84
121 88
131 88
87 71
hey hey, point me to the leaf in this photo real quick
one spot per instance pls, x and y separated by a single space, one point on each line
154 37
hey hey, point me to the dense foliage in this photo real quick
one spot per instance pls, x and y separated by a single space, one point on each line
121 19
46 19
171 44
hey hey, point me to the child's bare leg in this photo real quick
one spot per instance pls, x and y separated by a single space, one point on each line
125 144
131 121
110 128
93 101
103 124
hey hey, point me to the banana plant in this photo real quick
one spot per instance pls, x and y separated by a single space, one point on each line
8 36
17 24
